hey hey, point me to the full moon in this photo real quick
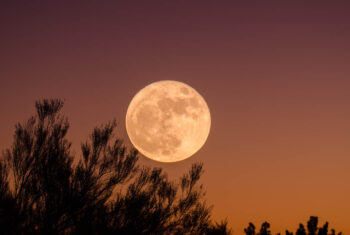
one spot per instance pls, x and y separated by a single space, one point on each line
168 121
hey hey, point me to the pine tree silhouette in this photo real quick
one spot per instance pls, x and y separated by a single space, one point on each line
105 192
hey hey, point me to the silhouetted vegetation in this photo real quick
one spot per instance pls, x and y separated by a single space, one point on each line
45 189
312 229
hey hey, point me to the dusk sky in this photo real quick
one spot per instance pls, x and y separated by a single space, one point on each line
275 75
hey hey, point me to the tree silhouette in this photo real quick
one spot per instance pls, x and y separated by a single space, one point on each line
219 229
265 229
312 229
105 192
250 230
301 230
45 189
312 225
50 195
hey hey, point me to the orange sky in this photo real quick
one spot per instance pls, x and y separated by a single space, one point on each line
275 75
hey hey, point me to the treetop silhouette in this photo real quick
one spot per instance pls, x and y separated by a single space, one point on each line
45 189
312 229
105 192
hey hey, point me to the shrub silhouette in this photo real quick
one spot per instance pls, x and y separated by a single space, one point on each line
265 229
312 229
219 228
43 191
250 230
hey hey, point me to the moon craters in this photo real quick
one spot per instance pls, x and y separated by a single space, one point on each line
168 121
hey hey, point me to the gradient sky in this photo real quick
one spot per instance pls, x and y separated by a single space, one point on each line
275 75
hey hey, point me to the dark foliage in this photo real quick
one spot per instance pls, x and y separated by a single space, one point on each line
44 190
312 229
219 229
250 230
265 229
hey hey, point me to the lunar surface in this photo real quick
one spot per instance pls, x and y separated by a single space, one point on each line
168 121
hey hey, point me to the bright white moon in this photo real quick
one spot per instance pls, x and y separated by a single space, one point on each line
168 121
